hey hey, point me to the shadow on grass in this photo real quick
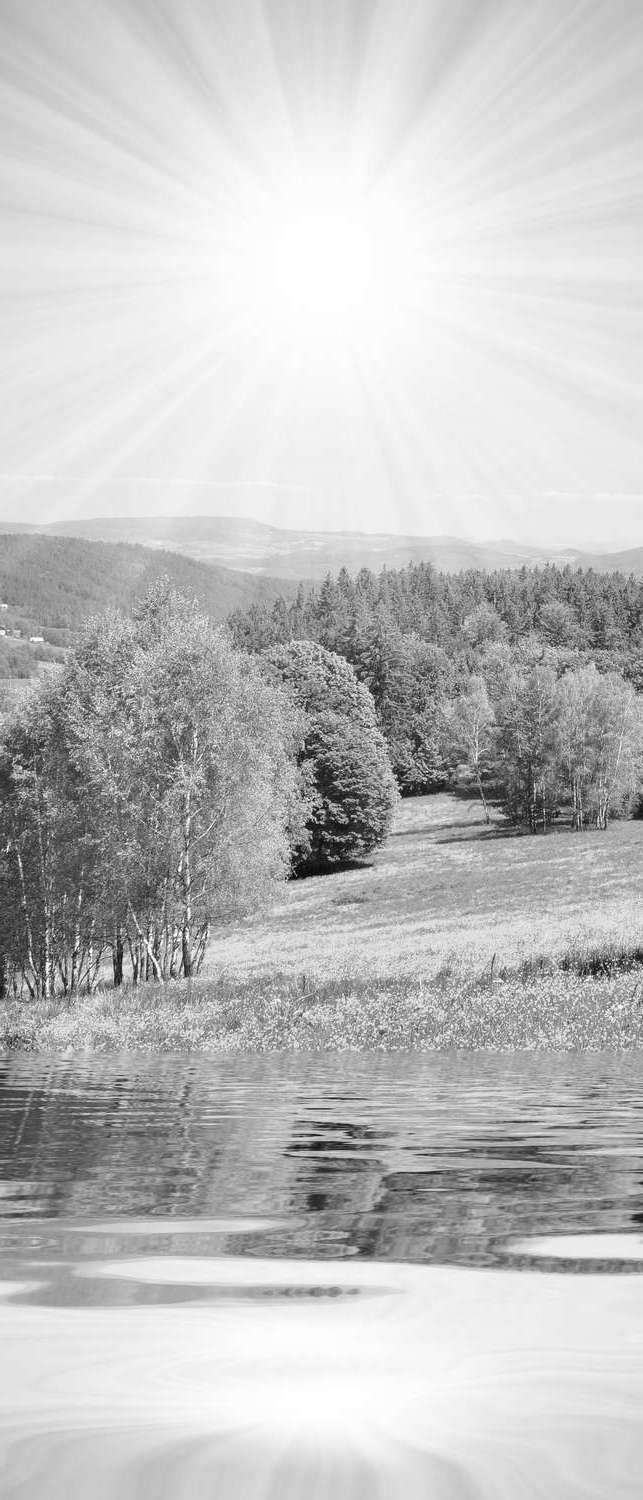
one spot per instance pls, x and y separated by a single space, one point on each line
603 961
321 873
429 828
483 834
511 831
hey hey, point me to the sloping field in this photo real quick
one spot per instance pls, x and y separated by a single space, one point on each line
446 888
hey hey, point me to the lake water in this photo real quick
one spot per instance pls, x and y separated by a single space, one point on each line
291 1278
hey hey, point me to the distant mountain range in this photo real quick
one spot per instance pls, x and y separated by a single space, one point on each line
253 548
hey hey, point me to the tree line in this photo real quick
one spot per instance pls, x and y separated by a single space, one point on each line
164 781
575 610
525 683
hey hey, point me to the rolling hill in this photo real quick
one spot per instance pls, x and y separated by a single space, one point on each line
255 548
50 584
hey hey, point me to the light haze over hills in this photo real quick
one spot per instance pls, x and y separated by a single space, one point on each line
251 547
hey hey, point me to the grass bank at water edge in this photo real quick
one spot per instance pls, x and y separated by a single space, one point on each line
455 935
588 998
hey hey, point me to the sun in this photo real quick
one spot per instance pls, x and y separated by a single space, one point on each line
323 263
321 266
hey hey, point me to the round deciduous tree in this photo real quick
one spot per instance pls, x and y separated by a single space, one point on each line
344 759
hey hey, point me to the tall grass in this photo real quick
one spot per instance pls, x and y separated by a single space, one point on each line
588 997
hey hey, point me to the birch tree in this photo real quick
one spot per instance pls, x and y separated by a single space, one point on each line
599 743
49 875
149 792
199 778
526 743
468 727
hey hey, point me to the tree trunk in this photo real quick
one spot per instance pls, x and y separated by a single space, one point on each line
174 951
144 945
485 809
30 956
201 947
46 956
75 955
117 956
602 805
577 805
92 965
149 955
530 790
46 960
133 953
186 932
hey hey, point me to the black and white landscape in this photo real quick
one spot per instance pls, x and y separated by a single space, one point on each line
252 546
321 749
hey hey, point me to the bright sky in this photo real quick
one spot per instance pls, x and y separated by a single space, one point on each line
368 264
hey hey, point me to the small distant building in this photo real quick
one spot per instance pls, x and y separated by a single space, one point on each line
37 640
2 630
3 606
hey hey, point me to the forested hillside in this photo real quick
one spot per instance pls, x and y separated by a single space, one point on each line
524 683
50 585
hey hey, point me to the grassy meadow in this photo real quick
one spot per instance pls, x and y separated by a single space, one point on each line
447 890
456 935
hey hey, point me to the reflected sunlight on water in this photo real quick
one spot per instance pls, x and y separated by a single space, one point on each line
441 1382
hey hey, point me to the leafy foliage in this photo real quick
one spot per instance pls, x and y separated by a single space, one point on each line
463 671
147 792
344 758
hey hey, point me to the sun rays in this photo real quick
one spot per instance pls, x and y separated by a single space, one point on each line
390 259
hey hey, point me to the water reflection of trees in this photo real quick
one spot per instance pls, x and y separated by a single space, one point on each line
443 1163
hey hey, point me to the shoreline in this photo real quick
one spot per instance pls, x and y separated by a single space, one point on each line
590 1001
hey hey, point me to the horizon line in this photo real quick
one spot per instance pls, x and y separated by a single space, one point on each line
603 545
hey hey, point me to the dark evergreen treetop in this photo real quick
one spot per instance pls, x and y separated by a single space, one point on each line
344 759
567 607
